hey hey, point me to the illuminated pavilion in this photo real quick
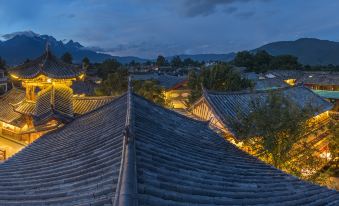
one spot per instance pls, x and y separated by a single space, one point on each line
47 100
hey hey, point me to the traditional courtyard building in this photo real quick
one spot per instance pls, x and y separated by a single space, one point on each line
325 84
224 109
132 152
176 89
47 100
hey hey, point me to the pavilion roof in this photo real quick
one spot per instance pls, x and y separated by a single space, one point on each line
81 105
229 107
133 152
7 114
49 65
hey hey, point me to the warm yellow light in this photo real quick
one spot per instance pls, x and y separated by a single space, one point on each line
49 80
290 81
81 76
13 76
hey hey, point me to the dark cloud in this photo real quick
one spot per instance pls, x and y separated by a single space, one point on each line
230 10
245 14
71 16
192 8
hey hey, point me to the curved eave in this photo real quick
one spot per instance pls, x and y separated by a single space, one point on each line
49 75
47 65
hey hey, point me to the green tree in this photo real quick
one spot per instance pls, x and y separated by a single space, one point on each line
151 90
244 59
262 61
286 62
161 61
85 62
277 131
219 78
222 78
67 57
115 84
176 61
2 63
107 67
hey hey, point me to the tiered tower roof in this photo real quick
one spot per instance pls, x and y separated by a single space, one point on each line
48 65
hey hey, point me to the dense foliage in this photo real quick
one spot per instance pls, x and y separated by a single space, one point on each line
277 133
2 63
219 78
86 62
67 57
107 67
116 83
177 62
262 61
161 61
151 90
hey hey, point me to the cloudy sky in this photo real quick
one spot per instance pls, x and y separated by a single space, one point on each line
146 28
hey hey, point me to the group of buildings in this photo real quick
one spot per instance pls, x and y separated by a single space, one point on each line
44 99
125 150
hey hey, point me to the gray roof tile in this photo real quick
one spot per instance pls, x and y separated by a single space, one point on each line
48 65
177 161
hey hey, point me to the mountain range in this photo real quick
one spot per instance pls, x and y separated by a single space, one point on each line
308 50
16 47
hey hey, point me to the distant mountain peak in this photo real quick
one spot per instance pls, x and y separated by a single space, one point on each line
310 51
19 33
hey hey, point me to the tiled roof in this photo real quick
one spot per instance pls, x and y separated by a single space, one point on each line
83 87
78 164
62 100
167 81
132 152
25 107
286 74
7 114
54 101
229 106
82 105
47 65
269 83
43 109
320 78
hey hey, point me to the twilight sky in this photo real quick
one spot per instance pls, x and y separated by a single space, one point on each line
146 28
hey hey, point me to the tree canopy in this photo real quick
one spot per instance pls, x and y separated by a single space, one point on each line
67 57
277 132
151 90
86 62
176 61
107 67
116 83
161 61
219 78
2 63
262 61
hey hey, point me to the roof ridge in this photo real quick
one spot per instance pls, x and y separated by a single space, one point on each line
126 192
169 110
207 92
94 97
